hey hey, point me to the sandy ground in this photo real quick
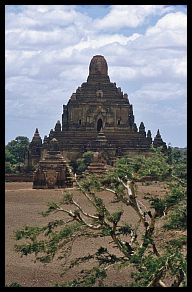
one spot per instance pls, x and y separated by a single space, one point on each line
23 207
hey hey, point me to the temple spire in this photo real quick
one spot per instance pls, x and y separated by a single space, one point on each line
149 136
98 65
98 70
158 134
36 137
158 141
142 129
58 126
36 134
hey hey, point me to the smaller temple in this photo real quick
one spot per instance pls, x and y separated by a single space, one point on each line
158 141
52 171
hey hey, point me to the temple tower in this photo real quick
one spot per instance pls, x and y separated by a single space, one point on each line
98 114
158 141
35 148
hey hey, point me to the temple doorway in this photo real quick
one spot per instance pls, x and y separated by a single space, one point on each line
99 125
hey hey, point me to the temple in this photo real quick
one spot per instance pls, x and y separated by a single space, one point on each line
98 117
52 171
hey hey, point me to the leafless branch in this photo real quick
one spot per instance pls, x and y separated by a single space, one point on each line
83 212
88 224
69 212
157 277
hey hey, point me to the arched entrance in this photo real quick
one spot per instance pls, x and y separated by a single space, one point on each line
99 125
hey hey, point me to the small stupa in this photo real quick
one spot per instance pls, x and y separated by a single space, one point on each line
52 171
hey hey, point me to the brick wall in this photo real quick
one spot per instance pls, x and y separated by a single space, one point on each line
19 177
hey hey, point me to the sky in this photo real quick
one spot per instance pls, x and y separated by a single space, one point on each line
48 49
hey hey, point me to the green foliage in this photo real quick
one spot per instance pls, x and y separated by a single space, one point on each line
152 267
16 148
158 204
9 157
176 194
52 207
28 232
91 182
15 154
125 230
178 243
106 231
125 167
175 199
105 257
177 218
88 157
67 198
149 266
81 164
30 248
115 217
177 158
154 166
8 167
50 245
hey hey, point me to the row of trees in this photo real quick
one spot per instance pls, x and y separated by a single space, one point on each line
155 262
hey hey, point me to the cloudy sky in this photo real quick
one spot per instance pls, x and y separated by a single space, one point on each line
49 48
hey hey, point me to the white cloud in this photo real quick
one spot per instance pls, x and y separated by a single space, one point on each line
128 15
49 47
43 17
160 92
180 66
99 41
172 21
170 30
122 73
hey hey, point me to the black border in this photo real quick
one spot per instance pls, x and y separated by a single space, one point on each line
188 3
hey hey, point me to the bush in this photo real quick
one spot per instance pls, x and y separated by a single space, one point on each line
81 164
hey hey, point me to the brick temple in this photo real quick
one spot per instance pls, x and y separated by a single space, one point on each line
52 171
97 117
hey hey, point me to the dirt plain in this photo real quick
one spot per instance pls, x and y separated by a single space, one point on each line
23 207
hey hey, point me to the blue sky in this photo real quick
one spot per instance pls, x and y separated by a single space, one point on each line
49 48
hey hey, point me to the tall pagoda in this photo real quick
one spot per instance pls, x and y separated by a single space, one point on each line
97 117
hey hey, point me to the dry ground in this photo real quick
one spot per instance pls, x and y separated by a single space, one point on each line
23 205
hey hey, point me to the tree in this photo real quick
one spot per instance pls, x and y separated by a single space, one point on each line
8 167
155 264
81 164
15 153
